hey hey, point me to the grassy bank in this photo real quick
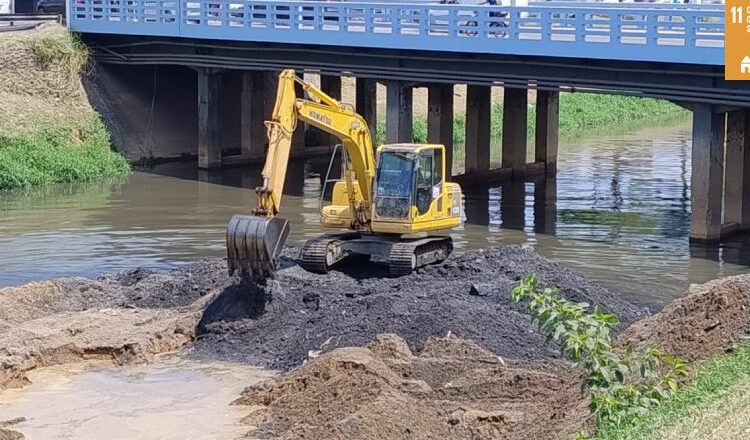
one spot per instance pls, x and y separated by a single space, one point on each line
48 131
581 115
713 406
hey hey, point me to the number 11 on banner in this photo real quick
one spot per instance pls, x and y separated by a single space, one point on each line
737 40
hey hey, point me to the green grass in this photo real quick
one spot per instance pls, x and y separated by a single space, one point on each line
67 51
49 132
701 407
581 115
58 154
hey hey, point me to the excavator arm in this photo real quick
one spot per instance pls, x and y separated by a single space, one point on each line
254 242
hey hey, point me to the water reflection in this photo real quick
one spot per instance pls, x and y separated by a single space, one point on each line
618 211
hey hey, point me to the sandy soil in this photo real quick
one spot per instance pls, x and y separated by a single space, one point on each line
124 317
461 362
452 389
710 318
455 389
8 434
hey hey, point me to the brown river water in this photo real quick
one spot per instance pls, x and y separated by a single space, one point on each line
621 218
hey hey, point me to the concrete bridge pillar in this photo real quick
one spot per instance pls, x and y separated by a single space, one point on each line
545 204
547 128
477 148
252 127
331 86
398 120
708 172
367 99
737 173
513 205
440 120
515 104
209 119
298 139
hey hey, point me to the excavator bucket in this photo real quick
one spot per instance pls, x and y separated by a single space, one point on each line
253 244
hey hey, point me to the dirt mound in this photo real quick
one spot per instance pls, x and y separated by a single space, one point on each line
39 79
122 317
7 434
300 314
453 389
711 318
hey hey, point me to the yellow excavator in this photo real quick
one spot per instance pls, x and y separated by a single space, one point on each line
388 203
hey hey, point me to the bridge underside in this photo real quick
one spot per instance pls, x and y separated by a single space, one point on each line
231 78
676 82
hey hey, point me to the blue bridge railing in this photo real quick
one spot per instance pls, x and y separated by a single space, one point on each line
636 32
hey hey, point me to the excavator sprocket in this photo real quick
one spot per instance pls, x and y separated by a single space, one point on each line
253 245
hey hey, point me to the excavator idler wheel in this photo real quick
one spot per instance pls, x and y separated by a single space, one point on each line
253 244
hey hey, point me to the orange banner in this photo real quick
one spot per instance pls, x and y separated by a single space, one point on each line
737 40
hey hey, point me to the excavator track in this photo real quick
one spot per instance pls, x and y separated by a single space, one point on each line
402 259
318 254
314 253
405 257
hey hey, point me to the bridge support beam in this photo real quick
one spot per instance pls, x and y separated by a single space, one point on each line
545 204
398 118
513 204
252 128
708 172
331 86
440 120
367 100
737 173
298 139
477 148
209 119
515 104
547 128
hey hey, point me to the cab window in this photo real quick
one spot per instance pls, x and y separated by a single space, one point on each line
425 179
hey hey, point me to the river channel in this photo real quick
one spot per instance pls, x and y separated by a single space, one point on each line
621 217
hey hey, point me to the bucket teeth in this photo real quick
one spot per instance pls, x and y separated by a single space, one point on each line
253 245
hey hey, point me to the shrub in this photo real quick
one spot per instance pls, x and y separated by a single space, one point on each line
623 385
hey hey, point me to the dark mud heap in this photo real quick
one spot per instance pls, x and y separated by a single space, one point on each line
298 315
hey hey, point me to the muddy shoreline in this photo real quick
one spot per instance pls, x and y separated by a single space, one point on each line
441 352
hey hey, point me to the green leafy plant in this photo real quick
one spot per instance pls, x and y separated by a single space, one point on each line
623 385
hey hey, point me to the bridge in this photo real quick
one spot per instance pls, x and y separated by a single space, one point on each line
666 51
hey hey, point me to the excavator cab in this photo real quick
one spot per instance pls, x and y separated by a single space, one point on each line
411 194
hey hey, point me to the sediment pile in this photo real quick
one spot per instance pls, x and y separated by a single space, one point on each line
8 434
482 369
452 389
122 317
456 389
710 318
300 315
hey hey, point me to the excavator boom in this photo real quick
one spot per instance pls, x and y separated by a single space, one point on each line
255 241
